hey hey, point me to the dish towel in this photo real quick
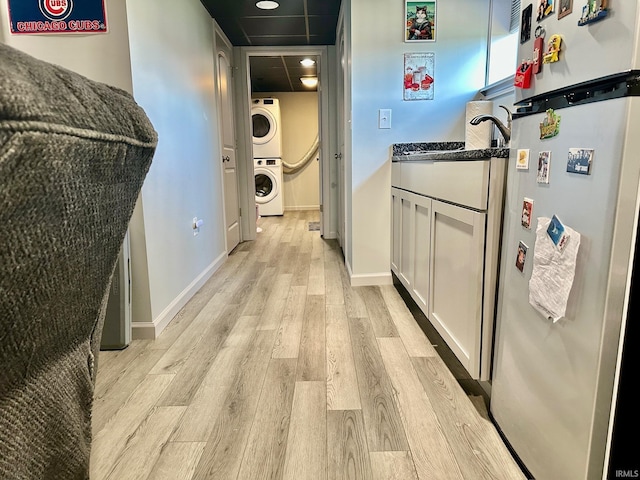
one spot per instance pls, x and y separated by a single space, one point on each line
553 271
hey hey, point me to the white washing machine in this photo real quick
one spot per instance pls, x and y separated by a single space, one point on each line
267 130
269 186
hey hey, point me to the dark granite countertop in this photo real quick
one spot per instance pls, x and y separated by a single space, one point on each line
413 152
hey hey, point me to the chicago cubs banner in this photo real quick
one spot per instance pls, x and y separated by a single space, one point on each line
57 16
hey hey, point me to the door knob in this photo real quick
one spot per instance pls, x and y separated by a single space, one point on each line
226 158
337 156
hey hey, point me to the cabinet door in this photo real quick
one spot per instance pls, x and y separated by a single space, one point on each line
396 212
457 262
421 250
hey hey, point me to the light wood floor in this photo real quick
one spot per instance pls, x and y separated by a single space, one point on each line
278 369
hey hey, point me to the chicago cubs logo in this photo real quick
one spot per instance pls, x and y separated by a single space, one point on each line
56 10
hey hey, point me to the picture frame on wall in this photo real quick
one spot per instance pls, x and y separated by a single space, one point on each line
564 8
420 21
419 76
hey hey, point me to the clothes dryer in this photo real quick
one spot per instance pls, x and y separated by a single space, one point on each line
269 186
267 129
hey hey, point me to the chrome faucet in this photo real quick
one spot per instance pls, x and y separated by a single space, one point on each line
504 130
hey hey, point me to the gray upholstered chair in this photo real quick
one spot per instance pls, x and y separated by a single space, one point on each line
73 156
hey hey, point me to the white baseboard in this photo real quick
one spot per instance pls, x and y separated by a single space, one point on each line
151 330
368 279
301 208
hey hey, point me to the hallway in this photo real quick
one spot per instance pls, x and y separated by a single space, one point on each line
277 368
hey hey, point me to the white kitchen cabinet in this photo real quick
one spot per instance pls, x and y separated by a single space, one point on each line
457 261
411 243
445 241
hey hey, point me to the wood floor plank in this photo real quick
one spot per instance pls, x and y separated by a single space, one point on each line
223 454
316 268
197 422
382 420
311 356
114 364
110 441
356 307
392 466
301 271
287 344
433 457
271 315
196 303
306 455
145 445
414 339
342 381
107 402
474 440
348 455
378 313
289 256
265 451
196 366
183 346
177 461
333 282
261 291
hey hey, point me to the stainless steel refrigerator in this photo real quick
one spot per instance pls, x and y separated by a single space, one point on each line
555 376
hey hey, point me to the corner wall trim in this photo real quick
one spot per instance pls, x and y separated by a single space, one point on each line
370 279
151 330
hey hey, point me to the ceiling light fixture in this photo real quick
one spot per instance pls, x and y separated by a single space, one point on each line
307 62
309 81
267 5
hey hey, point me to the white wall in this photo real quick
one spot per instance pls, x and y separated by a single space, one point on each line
377 47
299 116
103 57
172 55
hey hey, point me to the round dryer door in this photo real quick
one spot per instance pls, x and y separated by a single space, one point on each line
266 186
264 125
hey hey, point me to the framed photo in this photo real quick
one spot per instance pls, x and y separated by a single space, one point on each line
522 159
420 21
521 257
419 76
545 8
564 8
527 213
525 24
544 166
580 160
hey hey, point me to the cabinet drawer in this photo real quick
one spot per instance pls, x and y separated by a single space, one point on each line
463 182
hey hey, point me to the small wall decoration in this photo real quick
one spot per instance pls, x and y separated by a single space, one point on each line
564 8
553 49
593 11
544 166
545 8
420 21
57 16
522 159
580 160
527 212
521 257
550 126
419 76
522 77
525 24
538 47
557 233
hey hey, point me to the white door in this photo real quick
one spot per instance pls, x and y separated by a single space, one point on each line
230 172
341 126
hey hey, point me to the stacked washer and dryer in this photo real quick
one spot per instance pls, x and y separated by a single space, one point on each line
267 156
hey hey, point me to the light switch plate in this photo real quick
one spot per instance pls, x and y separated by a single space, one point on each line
384 118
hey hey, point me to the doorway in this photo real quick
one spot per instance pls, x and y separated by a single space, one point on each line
306 165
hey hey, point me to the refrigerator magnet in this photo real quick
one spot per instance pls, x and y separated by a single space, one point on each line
557 233
545 8
525 25
521 257
550 126
544 165
593 11
580 160
527 212
522 159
